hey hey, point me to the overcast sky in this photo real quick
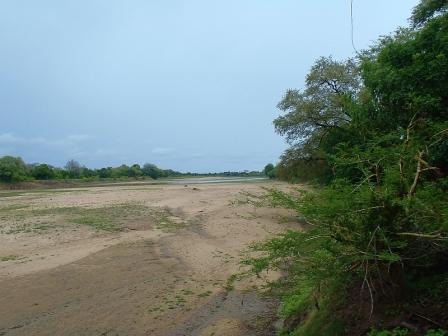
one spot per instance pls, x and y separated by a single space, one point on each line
190 85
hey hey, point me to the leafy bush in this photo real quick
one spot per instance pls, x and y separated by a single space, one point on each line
395 332
43 172
12 169
380 223
404 332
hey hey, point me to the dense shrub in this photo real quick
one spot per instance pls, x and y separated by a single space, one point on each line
379 225
12 169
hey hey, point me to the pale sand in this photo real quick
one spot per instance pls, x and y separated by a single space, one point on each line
73 280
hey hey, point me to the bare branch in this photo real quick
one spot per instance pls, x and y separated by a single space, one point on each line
417 174
423 235
362 182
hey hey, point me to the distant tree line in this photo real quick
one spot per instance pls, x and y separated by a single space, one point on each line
14 169
245 173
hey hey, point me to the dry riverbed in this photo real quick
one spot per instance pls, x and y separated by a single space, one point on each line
133 260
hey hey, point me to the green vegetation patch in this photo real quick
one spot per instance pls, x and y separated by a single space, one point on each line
38 191
373 131
108 218
11 193
27 228
10 258
20 218
166 221
404 332
205 294
13 207
319 323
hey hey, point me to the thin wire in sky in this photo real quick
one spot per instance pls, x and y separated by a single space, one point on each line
352 25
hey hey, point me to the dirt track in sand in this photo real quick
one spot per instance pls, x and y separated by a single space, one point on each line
162 274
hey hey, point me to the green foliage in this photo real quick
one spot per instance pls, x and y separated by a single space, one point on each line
314 119
329 85
294 168
297 302
42 172
12 169
438 332
320 322
394 332
427 9
404 332
409 74
152 171
270 171
378 127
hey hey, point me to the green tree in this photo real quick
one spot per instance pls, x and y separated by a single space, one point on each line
135 170
86 172
380 224
269 170
427 9
42 172
105 172
121 171
152 171
314 120
12 169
